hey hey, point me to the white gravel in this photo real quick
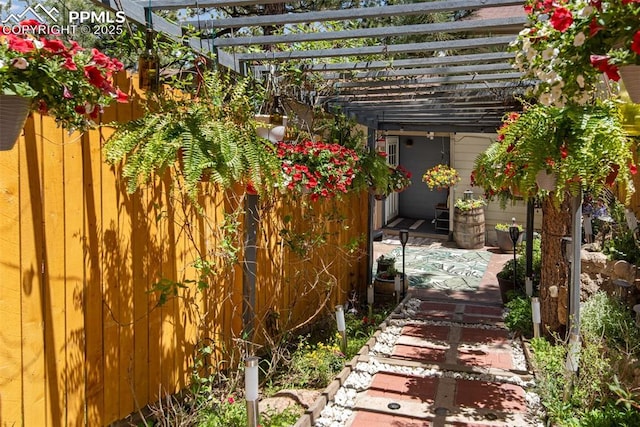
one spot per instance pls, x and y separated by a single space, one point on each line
337 412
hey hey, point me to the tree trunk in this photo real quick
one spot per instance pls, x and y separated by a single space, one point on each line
556 223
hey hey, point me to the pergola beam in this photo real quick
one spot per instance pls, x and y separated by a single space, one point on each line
473 43
428 81
182 4
355 13
485 25
480 58
472 69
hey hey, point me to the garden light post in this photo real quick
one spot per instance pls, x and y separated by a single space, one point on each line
342 328
251 390
404 238
514 233
536 317
370 294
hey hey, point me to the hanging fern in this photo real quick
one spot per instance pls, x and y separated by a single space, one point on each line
585 147
211 137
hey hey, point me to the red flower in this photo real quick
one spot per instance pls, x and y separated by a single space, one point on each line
69 64
635 44
550 162
53 46
601 62
121 96
94 75
564 152
80 109
613 174
511 147
561 19
510 170
633 169
594 27
18 44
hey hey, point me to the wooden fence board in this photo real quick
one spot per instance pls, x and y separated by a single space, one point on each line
31 238
74 233
53 306
89 335
10 290
94 307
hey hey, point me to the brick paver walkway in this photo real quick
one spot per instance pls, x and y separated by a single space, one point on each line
472 380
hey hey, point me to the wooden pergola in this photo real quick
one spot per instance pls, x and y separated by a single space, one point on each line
462 84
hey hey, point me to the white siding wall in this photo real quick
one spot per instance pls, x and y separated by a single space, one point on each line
465 147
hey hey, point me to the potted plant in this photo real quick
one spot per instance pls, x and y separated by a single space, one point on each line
584 147
440 177
209 136
505 275
568 45
504 237
320 169
384 262
468 223
54 77
384 283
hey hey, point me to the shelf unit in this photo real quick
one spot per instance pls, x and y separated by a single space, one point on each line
441 220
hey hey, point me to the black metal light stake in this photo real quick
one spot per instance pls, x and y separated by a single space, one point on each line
404 238
514 233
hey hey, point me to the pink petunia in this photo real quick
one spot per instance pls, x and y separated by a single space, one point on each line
66 93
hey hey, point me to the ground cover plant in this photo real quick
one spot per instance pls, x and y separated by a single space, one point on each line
606 390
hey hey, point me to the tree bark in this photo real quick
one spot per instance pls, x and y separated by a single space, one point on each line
556 224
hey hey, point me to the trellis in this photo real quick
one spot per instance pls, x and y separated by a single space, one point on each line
460 85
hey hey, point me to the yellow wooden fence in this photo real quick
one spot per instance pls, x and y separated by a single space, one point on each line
83 340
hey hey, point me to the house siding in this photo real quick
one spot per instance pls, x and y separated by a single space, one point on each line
465 147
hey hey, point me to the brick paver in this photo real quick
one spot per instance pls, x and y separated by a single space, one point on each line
403 386
449 398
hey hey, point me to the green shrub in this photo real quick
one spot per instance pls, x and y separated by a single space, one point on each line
606 318
521 266
518 318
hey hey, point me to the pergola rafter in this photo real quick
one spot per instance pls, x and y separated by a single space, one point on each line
462 81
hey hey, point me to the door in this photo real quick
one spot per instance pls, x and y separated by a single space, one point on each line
391 203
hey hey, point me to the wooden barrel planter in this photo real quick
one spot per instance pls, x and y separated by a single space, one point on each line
468 228
384 289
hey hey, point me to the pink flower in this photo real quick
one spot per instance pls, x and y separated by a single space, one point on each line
66 94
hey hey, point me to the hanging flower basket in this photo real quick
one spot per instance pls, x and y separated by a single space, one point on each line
13 113
440 177
546 180
630 75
